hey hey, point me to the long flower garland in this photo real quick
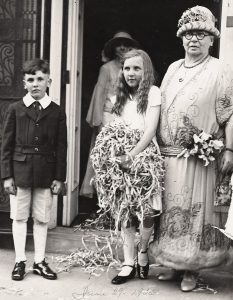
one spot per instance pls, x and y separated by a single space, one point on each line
122 193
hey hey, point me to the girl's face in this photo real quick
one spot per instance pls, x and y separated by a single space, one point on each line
133 71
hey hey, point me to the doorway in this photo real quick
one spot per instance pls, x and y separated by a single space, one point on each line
153 24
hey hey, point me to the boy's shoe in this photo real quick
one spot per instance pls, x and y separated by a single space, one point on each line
18 272
44 270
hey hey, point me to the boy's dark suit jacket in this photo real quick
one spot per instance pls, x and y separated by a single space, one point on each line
34 148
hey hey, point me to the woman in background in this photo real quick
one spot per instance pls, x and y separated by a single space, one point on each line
99 112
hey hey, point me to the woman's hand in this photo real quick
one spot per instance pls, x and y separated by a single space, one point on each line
226 164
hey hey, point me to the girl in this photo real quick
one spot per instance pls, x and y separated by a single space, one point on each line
137 104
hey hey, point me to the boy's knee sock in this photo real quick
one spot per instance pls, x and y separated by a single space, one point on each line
40 236
19 230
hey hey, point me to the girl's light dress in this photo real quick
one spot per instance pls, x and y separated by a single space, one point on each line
135 120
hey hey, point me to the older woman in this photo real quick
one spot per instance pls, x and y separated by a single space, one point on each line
197 95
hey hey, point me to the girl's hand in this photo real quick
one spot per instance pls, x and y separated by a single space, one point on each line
124 161
9 186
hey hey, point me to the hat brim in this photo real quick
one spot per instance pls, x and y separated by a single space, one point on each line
198 26
109 47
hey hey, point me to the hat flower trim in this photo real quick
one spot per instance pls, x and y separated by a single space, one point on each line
190 16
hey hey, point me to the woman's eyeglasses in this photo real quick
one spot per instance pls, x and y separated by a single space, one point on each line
199 35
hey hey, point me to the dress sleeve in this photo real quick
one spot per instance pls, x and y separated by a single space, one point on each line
95 111
224 99
154 96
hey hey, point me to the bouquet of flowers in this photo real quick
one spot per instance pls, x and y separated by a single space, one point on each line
204 146
125 193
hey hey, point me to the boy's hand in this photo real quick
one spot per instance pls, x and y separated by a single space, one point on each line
9 186
56 187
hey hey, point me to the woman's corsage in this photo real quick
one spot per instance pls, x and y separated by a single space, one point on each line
204 146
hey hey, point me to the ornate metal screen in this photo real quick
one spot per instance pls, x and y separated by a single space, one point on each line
19 41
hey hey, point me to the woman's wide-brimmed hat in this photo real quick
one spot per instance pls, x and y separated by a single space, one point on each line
117 39
197 18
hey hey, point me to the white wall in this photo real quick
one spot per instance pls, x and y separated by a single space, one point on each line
55 71
226 41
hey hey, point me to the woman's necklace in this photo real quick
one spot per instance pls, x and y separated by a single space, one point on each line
196 63
181 78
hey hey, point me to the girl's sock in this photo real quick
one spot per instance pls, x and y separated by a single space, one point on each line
128 236
145 234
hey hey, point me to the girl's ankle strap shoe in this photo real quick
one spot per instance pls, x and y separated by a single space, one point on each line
143 270
122 279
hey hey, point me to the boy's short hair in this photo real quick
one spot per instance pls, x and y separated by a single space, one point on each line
34 65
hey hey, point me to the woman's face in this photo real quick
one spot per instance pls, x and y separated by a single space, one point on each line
197 43
121 49
133 71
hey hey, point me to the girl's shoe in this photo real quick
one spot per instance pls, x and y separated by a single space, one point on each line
189 281
122 279
142 270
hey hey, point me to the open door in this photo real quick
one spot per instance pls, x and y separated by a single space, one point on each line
156 34
73 107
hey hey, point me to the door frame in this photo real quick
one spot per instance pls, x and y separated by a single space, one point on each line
55 72
73 107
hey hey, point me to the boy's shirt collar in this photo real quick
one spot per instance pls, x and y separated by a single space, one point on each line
44 102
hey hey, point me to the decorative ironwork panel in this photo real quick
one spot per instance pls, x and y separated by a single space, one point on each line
19 41
7 9
30 30
6 64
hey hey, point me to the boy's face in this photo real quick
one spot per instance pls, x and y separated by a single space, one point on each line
37 84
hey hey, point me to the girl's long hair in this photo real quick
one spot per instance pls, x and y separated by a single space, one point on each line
122 89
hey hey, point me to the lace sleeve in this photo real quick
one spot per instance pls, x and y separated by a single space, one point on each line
224 100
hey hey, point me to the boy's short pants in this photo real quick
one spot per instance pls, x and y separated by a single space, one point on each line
37 201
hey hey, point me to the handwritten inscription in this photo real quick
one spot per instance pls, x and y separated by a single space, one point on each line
117 292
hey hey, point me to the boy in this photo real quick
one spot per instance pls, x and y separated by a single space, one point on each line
33 163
